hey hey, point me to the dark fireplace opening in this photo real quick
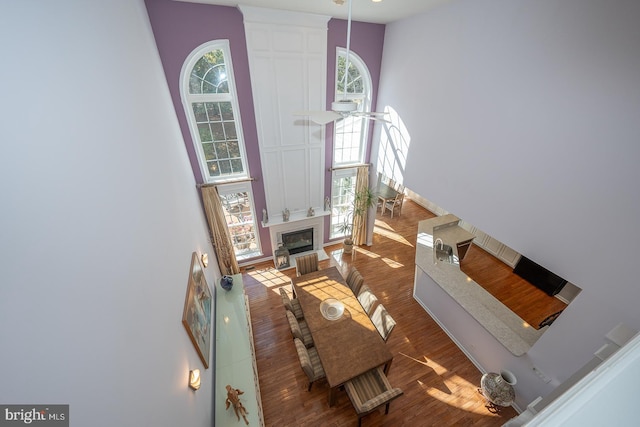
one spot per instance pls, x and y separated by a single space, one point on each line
298 241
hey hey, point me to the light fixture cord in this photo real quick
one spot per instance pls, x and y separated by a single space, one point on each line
346 68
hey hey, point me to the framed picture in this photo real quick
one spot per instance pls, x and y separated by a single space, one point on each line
197 310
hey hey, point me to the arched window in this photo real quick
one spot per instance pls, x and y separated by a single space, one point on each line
210 101
349 136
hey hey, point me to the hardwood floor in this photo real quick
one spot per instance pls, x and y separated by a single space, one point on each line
439 382
530 303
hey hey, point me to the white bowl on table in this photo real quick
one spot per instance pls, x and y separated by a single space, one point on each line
331 309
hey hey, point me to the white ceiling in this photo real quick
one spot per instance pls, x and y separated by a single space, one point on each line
362 10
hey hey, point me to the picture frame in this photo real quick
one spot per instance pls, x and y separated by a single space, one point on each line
196 316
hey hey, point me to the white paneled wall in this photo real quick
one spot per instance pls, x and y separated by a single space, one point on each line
288 65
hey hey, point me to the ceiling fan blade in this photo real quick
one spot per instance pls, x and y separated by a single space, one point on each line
372 113
305 113
372 116
324 117
378 119
319 117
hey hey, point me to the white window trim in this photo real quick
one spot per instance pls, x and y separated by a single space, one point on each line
355 59
232 96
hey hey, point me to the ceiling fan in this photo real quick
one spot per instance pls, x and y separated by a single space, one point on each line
343 108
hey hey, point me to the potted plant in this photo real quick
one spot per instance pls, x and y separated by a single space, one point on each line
345 228
362 201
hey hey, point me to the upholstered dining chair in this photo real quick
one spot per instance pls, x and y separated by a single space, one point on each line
293 305
299 329
355 280
367 299
369 391
310 362
383 321
394 204
307 263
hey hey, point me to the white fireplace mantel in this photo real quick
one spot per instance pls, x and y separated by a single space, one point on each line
297 221
294 217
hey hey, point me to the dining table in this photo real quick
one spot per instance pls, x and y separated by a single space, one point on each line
347 346
386 194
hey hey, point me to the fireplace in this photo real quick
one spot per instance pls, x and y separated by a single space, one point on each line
298 222
298 241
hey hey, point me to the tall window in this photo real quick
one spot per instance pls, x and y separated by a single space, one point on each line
210 101
343 188
350 136
209 95
237 203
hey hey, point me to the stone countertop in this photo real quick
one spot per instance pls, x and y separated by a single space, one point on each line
506 326
453 234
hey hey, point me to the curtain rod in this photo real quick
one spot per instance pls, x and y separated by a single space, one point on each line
348 167
234 181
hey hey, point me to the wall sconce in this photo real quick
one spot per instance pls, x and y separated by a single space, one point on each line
194 379
205 259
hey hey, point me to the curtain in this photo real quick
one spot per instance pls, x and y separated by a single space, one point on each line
360 205
220 237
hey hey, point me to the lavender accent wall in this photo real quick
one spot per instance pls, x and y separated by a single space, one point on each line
180 27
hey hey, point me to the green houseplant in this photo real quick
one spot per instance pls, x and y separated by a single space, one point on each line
362 201
345 228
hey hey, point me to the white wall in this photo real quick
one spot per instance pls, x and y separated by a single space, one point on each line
524 119
604 397
99 217
288 64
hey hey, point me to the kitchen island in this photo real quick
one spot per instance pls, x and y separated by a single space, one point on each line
495 318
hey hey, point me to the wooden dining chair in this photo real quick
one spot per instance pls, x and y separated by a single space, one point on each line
355 280
293 305
383 321
367 299
394 204
307 263
370 391
310 362
381 180
300 330
392 183
379 204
